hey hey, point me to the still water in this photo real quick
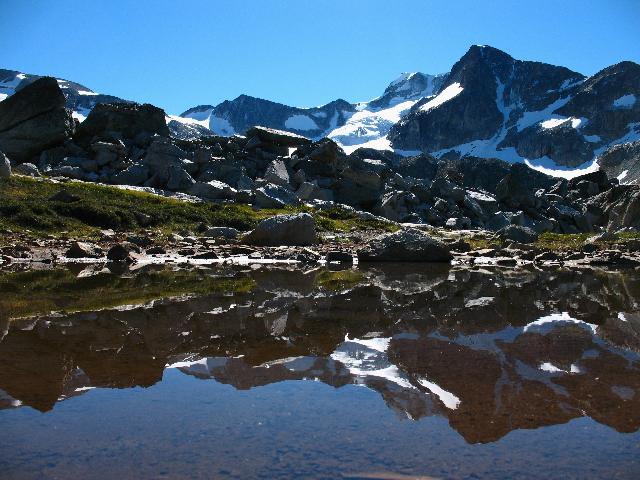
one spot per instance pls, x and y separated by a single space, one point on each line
394 372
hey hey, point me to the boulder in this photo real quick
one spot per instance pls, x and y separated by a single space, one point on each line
277 137
410 245
125 120
222 232
277 174
135 174
518 234
273 196
84 250
213 190
5 166
121 252
27 169
298 229
34 119
179 180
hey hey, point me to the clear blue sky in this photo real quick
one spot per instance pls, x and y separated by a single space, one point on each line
181 53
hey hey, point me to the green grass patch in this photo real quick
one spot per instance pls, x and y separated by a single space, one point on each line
39 292
340 220
562 241
26 207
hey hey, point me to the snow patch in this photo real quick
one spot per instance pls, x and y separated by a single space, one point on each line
445 95
531 118
548 166
556 122
449 399
626 101
300 122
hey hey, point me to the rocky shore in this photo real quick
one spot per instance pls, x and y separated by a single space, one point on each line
294 239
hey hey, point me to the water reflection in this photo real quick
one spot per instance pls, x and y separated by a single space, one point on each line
491 351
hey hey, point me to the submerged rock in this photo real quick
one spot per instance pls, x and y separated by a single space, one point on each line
298 229
410 245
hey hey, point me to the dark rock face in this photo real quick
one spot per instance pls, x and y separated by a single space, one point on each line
596 98
621 206
564 144
623 162
489 79
123 121
34 119
410 245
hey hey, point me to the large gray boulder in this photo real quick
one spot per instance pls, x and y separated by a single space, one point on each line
135 174
297 229
213 190
410 245
274 196
5 166
277 174
34 119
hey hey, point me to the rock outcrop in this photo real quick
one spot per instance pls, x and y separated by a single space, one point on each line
34 119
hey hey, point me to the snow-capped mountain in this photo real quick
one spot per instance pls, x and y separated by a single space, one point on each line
238 115
553 119
350 125
489 105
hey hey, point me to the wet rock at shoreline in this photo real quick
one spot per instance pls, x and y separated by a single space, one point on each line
410 245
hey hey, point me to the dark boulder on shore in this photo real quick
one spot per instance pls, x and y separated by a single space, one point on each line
34 119
410 245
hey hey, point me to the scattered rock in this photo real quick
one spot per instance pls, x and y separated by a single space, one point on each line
518 234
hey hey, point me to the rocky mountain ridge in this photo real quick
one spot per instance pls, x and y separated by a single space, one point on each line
489 105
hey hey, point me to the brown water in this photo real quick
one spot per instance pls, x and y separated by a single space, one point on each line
392 372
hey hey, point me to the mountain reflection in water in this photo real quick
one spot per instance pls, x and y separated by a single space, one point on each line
490 350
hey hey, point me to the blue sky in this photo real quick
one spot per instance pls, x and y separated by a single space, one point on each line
181 53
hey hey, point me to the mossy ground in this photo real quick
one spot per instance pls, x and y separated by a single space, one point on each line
26 207
36 292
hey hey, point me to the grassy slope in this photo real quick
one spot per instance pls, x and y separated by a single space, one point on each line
26 206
